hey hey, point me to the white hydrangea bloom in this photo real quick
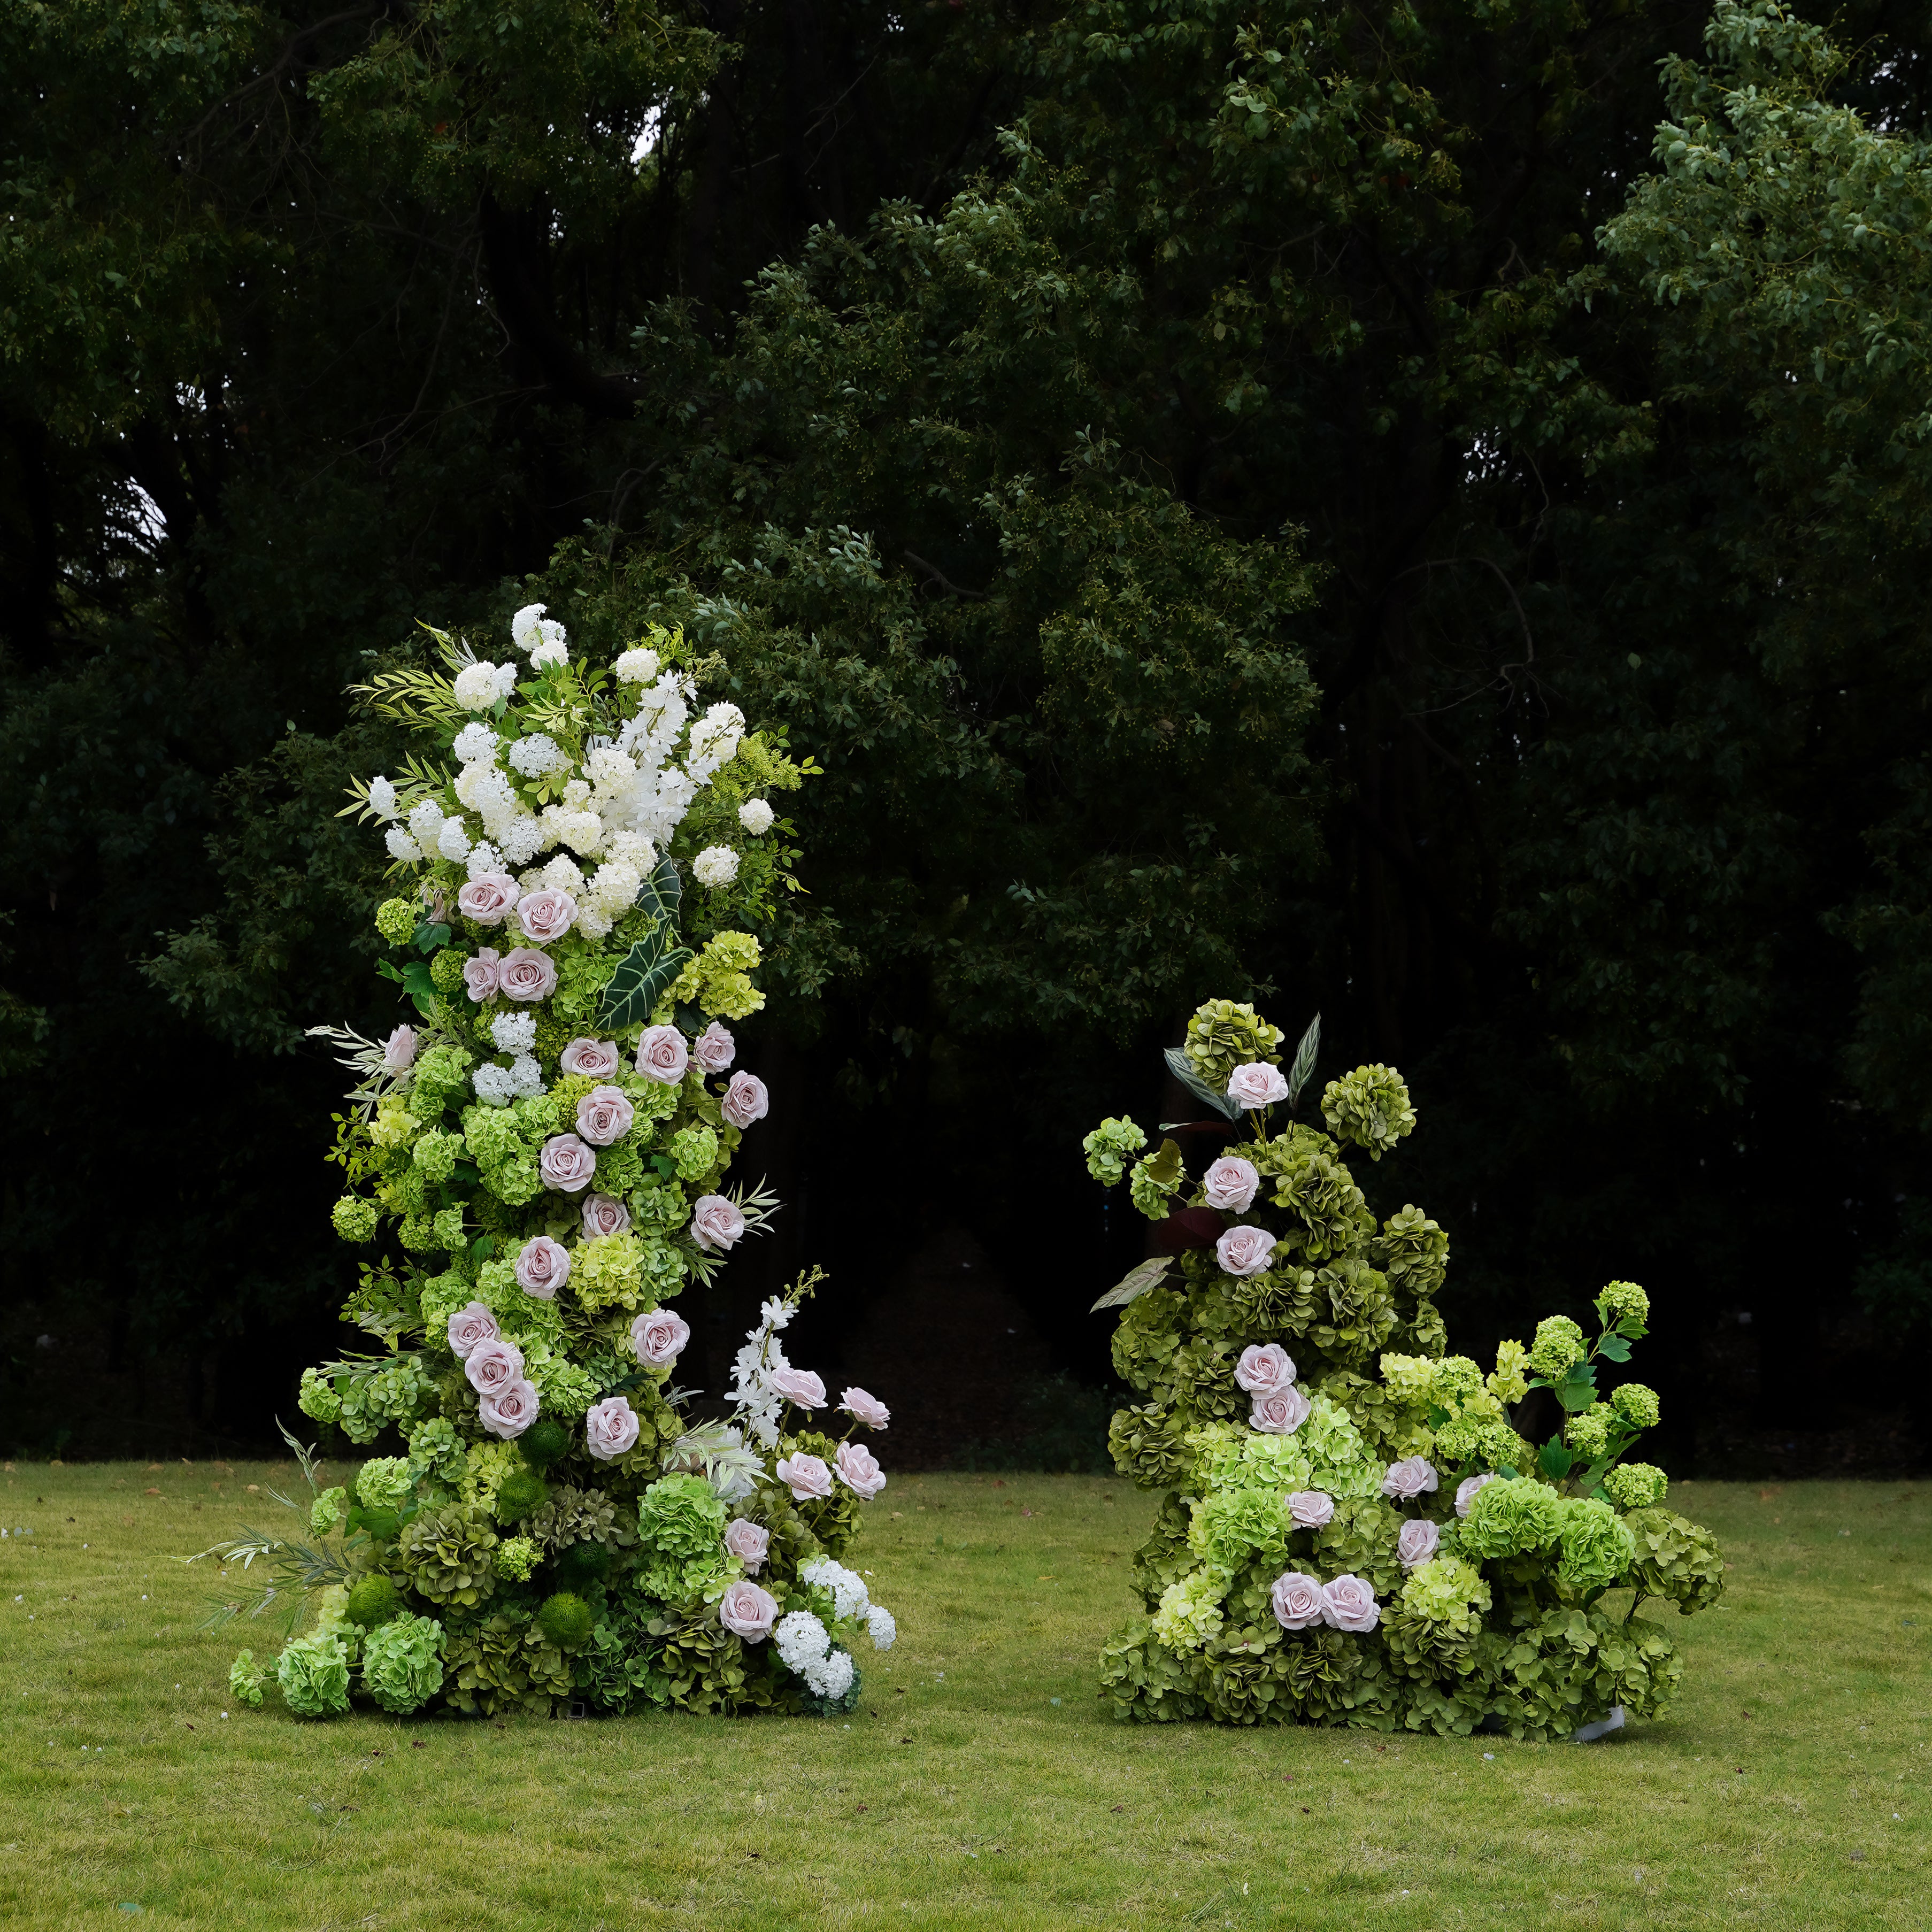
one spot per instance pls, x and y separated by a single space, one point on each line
476 741
716 865
401 845
591 923
478 685
632 849
800 1639
551 649
425 821
581 831
637 666
381 798
526 627
536 754
849 1597
527 1075
484 857
885 1631
756 817
485 790
515 1033
830 1677
506 679
453 840
496 1086
613 890
611 772
521 838
716 734
561 875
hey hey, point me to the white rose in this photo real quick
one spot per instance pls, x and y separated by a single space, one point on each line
715 866
755 816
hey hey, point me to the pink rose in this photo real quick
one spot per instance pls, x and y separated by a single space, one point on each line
510 1411
527 976
1349 1604
1280 1413
1312 1509
866 1408
1256 1085
566 1164
658 1338
858 1471
1416 1543
746 1611
1466 1490
806 1476
748 1542
1408 1478
492 1366
662 1055
1231 1184
745 1100
481 974
1244 1251
488 897
610 1428
596 1059
714 1223
604 1115
545 916
604 1215
399 1050
1297 1599
543 1266
468 1327
799 1385
1265 1369
714 1049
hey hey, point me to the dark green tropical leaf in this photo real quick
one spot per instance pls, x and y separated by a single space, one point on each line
663 892
1304 1060
1182 1068
431 933
642 976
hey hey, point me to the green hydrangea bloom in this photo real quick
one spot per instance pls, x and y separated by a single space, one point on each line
1510 1517
246 1679
563 1389
446 1224
317 1398
1623 1302
1676 1560
1597 1547
491 1465
1190 1611
402 1662
1446 1590
1338 1460
328 1510
1636 1404
607 1273
440 1079
1509 1384
314 1674
1558 1342
1635 1486
1149 1194
1232 1528
392 1127
693 1152
385 1482
399 1391
681 1517
1589 1433
356 1217
1109 1147
445 971
449 1555
1224 1034
1499 1447
1369 1108
396 921
435 1156
517 1556
1409 1378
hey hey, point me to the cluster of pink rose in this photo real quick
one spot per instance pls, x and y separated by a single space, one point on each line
1266 1373
543 916
506 1399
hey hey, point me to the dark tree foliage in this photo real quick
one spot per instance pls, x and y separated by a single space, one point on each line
1307 499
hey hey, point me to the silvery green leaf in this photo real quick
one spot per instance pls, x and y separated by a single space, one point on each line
1182 1068
1132 1286
1304 1060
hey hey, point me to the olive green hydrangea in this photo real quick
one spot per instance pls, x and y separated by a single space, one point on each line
1635 1486
314 1674
1369 1108
246 1679
1109 1148
402 1662
1223 1035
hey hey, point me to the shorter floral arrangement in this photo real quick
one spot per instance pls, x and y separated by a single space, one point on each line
1358 1532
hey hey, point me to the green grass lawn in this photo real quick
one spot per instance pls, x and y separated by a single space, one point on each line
978 1784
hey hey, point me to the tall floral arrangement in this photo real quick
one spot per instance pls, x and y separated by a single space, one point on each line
537 1161
1354 1528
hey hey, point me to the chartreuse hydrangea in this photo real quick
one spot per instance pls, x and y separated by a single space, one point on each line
1511 1516
693 1152
565 1389
1231 1528
681 1523
356 1217
1109 1148
1369 1108
1558 1343
317 1398
1224 1034
445 971
607 1273
718 982
246 1679
1156 1181
1509 1384
396 921
1597 1545
1625 1307
328 1510
1448 1590
402 1662
314 1674
517 1557
1189 1612
436 1450
385 1482
1635 1486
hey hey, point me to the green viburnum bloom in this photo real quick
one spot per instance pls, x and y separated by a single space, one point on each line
1558 1342
1597 1547
328 1510
318 1399
402 1662
1511 1516
517 1556
1624 1301
246 1678
356 1217
693 1152
1369 1108
1635 1486
385 1482
449 1555
1499 1447
1224 1034
374 1601
1190 1610
435 1156
437 1450
396 921
1509 1384
1589 1433
1446 1590
681 1517
1636 1404
445 971
446 1226
563 1387
442 1079
314 1674
1109 1147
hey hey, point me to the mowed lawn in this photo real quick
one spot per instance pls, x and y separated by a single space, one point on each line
980 1784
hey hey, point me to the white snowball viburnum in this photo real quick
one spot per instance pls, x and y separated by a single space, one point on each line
552 650
885 1631
425 821
756 817
474 742
402 846
381 798
526 627
637 666
477 686
716 866
453 840
496 1086
536 755
801 1640
513 1033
